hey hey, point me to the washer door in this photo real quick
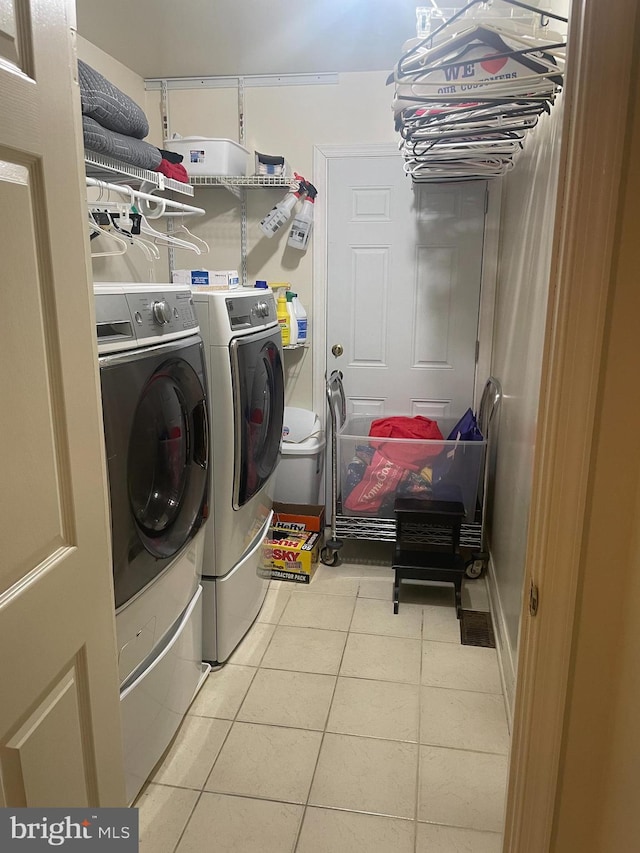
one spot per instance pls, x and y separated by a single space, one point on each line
167 457
258 388
156 433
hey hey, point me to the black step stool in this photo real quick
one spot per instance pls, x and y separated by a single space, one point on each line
428 544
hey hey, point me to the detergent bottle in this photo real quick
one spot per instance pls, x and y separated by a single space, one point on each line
303 221
293 320
281 212
301 319
282 313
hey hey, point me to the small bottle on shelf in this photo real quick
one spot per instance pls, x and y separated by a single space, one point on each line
293 320
301 319
282 314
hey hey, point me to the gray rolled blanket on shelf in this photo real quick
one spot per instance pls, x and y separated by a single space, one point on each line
136 152
106 104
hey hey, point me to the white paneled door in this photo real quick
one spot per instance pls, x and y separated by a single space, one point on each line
60 740
404 267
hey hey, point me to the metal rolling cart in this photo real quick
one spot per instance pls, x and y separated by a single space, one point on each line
472 533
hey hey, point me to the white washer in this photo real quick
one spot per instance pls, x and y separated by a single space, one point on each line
154 402
243 348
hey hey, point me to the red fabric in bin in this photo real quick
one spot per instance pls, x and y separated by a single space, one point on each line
381 478
402 453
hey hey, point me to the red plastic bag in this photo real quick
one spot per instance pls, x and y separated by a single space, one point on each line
381 477
404 453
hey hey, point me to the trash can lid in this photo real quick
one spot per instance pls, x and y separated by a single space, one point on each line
311 446
299 424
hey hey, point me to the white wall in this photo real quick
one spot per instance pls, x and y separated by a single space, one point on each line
131 266
526 231
286 120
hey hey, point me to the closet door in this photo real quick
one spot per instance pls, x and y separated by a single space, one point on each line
60 739
404 264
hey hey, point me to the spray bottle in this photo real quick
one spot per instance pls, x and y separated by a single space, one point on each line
303 222
279 214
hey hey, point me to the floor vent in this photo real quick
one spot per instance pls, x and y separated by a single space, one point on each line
476 629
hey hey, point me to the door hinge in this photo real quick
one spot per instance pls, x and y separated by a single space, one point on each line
534 599
477 351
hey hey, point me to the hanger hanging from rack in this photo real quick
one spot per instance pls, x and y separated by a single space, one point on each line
454 55
98 231
167 239
124 224
143 205
182 228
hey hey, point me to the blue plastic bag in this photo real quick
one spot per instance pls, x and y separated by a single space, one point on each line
466 429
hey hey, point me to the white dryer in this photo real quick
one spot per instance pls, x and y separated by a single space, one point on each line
243 348
154 402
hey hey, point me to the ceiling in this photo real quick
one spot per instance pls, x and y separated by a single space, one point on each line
166 38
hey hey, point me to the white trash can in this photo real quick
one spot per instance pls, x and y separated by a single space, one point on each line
299 473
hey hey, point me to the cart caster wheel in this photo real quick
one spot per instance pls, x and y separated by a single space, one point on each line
474 568
329 557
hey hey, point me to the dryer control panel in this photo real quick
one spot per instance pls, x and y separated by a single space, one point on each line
131 316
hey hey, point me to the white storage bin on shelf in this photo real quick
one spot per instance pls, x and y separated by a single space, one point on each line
299 471
204 156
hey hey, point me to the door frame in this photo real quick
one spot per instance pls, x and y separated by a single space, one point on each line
581 294
322 155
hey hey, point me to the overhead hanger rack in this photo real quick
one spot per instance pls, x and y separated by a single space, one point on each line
106 169
468 92
161 206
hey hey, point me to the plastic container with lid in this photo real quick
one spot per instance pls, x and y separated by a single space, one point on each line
299 474
204 156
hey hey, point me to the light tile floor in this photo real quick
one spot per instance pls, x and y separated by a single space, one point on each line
339 727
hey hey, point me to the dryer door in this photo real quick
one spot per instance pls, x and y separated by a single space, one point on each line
156 433
258 391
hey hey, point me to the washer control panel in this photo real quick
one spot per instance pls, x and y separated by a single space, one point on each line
138 315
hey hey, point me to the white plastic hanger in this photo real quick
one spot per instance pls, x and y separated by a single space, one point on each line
182 228
166 239
97 230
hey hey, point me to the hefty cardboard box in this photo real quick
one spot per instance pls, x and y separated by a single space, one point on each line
298 516
292 549
291 555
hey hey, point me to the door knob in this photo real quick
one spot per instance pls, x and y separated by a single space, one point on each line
337 350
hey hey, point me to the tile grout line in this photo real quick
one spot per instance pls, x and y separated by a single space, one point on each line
188 821
234 720
326 723
417 791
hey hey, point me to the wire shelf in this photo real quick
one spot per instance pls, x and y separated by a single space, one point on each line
384 530
106 169
248 181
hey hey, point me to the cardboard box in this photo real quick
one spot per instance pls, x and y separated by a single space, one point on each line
207 279
298 516
291 555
